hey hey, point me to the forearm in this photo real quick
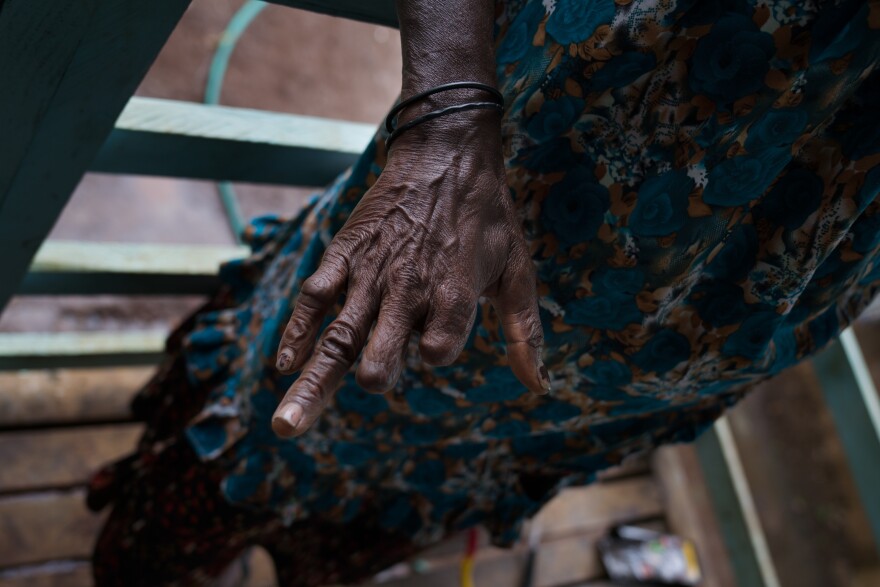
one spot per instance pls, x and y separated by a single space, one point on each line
446 41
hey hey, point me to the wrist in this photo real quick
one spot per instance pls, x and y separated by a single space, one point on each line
457 132
444 99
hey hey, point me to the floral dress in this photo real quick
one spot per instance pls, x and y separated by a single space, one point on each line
698 182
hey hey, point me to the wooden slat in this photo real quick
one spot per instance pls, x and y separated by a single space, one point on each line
73 267
568 561
375 11
689 510
185 139
27 350
576 558
601 505
52 574
579 509
570 525
633 466
83 396
63 520
559 563
78 573
41 527
68 70
61 458
493 566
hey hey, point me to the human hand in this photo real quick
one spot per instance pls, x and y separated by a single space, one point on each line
434 233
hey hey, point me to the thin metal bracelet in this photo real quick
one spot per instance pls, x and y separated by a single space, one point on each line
437 114
389 120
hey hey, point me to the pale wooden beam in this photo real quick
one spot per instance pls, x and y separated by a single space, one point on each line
28 350
185 139
72 267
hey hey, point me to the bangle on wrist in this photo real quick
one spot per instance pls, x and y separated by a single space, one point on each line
437 114
391 119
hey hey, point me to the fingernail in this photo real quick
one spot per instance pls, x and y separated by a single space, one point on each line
544 375
288 418
285 358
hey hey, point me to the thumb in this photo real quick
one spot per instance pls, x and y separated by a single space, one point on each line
516 300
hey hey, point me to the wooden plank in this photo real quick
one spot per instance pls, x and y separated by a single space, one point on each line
558 563
27 350
79 63
575 559
563 562
51 574
852 397
185 139
689 510
375 11
73 267
493 566
633 466
41 527
601 505
576 510
83 396
61 458
570 525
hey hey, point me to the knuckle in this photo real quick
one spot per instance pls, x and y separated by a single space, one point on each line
375 376
456 299
312 404
319 288
525 326
341 341
534 329
311 390
440 349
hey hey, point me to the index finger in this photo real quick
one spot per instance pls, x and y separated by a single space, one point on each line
335 353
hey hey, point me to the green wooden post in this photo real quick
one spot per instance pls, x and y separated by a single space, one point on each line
734 508
67 70
852 398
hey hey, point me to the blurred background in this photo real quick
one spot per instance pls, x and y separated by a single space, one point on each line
298 62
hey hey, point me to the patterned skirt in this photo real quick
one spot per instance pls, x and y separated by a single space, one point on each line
698 182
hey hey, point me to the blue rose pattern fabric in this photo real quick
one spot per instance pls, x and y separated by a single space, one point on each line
698 182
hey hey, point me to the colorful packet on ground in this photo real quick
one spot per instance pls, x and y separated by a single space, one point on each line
640 555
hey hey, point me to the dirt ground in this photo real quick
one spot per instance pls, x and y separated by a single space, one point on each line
303 63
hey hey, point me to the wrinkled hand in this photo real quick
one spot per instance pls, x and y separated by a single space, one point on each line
434 233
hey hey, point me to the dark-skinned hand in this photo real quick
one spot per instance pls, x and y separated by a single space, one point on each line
435 233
